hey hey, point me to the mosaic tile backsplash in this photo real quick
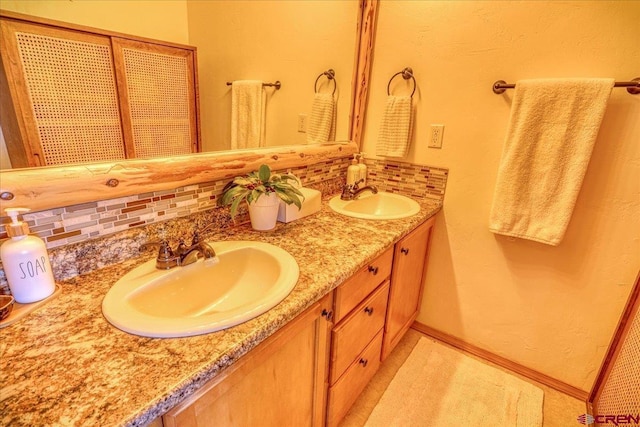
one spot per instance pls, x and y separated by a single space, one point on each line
407 178
86 237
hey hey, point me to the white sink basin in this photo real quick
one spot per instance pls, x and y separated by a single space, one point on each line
376 206
249 279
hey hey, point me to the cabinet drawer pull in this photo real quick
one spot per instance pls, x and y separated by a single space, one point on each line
373 269
363 362
405 251
327 314
368 310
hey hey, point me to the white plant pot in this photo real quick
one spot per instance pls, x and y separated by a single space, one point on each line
264 212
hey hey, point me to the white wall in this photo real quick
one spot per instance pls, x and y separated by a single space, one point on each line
552 309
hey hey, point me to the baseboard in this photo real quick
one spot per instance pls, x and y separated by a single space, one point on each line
501 361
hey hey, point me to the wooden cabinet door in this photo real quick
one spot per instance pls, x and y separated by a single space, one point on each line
282 382
157 87
409 261
59 96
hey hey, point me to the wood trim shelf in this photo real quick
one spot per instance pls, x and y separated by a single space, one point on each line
501 361
50 187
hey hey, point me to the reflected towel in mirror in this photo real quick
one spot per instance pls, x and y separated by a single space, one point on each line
248 105
322 121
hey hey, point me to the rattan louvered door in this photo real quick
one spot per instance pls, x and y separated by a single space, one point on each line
60 100
616 392
158 98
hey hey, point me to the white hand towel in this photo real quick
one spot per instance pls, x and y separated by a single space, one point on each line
553 127
395 128
322 120
248 105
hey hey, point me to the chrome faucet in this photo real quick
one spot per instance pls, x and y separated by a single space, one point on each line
351 191
183 255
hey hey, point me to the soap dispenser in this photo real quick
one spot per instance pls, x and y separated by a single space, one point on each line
26 261
353 171
362 169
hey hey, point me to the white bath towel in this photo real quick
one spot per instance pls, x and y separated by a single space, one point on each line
553 127
395 127
322 121
248 105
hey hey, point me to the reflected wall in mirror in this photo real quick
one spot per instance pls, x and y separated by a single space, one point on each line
289 41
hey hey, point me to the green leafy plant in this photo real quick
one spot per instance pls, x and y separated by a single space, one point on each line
253 185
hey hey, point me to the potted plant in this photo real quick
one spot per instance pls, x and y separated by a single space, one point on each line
262 190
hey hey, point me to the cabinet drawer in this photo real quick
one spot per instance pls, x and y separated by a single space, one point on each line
357 330
344 392
361 284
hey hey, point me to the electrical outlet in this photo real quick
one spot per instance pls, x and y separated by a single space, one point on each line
302 123
436 136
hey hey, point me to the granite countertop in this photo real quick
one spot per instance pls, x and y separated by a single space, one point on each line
64 364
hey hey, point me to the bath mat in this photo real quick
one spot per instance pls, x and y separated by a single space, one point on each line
440 387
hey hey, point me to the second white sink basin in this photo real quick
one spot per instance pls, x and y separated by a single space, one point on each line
376 206
249 279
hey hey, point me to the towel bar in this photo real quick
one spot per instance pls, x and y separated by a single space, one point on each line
277 84
633 87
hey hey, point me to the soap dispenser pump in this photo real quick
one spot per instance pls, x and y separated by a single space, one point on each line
353 171
362 169
26 262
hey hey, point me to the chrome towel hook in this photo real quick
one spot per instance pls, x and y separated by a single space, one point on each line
406 74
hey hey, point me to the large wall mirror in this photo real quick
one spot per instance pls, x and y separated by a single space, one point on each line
293 42
283 50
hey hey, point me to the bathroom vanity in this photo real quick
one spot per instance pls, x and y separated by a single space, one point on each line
337 344
302 363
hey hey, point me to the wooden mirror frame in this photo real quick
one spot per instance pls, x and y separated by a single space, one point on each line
50 187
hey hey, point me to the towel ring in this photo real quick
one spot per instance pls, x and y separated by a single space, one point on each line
331 76
407 74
